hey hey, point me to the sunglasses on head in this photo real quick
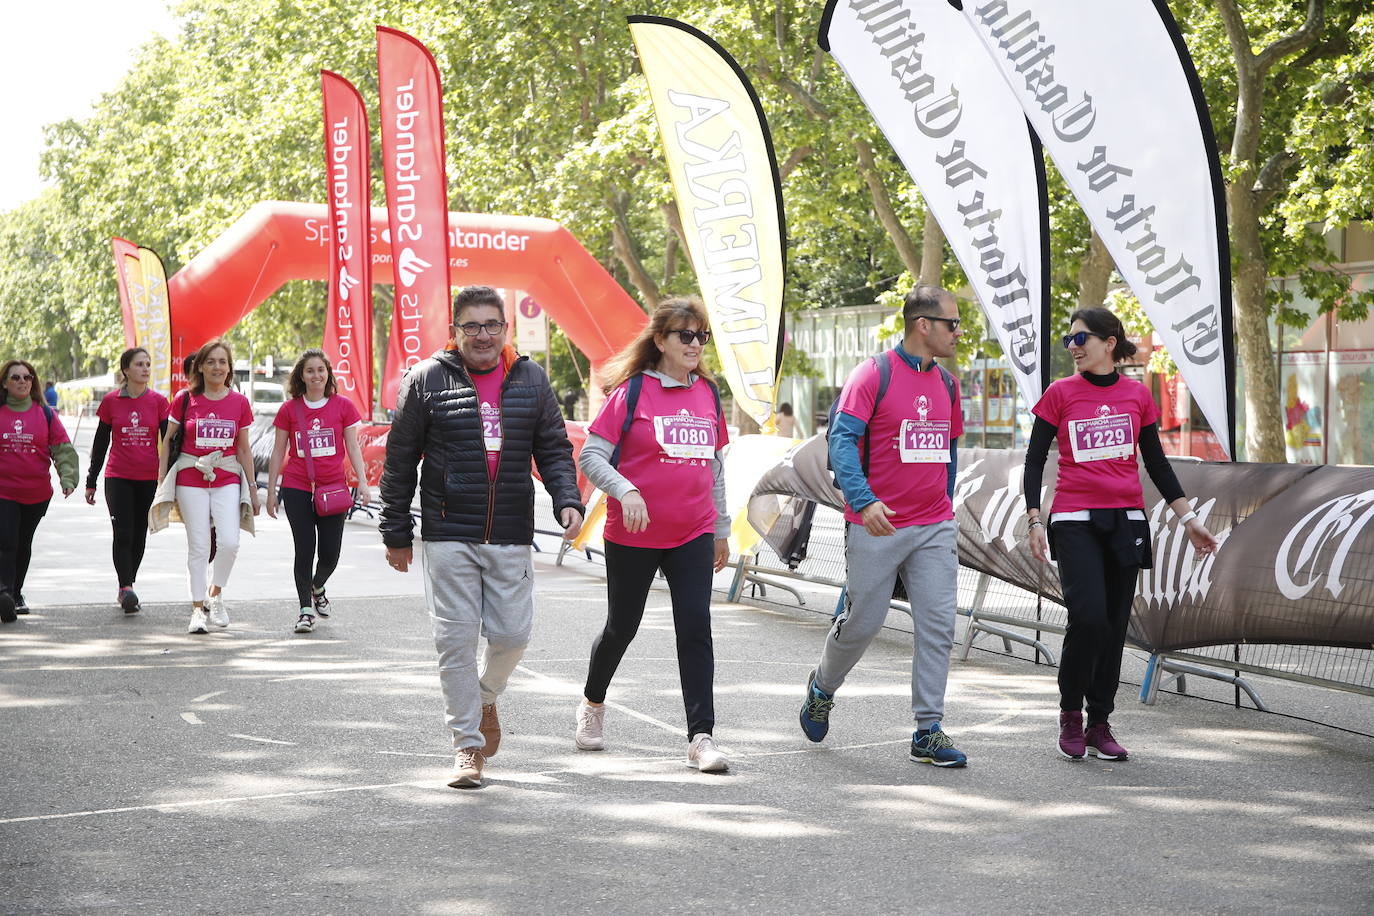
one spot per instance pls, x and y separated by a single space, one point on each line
688 336
1079 339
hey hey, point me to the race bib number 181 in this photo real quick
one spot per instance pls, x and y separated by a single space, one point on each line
1101 438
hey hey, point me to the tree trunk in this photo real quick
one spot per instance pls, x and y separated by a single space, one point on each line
742 420
1094 273
626 253
882 205
1263 409
932 250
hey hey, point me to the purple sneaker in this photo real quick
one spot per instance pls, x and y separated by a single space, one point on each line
1102 745
1071 734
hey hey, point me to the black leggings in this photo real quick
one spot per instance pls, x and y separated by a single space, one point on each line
629 575
1098 594
307 530
18 522
129 501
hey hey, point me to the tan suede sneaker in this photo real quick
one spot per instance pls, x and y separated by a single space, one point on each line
491 730
467 768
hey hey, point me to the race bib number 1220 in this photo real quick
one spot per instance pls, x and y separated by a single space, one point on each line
924 442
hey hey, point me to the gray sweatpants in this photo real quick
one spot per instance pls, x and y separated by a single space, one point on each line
928 559
475 590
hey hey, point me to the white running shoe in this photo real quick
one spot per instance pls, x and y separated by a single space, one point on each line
705 756
219 614
200 621
589 735
305 623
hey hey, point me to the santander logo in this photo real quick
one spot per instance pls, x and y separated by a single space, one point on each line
409 266
346 283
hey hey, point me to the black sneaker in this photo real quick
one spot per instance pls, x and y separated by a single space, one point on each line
320 602
128 600
7 608
20 605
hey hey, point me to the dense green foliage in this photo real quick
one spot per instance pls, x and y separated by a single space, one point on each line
548 115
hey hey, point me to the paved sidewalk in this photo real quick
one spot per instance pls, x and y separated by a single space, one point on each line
255 771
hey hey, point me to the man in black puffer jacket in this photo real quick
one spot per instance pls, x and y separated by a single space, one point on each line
476 417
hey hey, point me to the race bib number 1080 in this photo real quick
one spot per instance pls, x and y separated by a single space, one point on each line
1101 438
685 436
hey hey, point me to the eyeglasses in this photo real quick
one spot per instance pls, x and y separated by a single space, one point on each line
21 378
473 328
1079 339
688 336
952 322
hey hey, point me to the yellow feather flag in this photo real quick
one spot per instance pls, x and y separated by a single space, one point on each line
154 327
725 179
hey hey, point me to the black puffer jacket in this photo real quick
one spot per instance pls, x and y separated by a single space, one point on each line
437 419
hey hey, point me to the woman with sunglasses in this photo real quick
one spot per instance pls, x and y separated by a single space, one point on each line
654 450
210 480
1097 531
132 419
319 419
32 439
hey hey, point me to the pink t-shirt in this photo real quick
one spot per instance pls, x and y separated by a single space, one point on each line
488 385
211 426
667 455
323 434
911 436
1099 431
133 426
25 437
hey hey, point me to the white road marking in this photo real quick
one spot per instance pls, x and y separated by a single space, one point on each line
191 718
205 696
569 687
200 802
264 740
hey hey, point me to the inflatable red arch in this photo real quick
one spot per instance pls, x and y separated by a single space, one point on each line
276 242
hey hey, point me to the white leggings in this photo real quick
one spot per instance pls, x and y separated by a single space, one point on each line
197 506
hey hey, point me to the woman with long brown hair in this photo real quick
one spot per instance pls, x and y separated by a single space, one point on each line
210 478
654 450
319 422
32 439
132 419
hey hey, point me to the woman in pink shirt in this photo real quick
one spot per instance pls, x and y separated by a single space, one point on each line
213 476
1098 531
319 419
32 440
654 450
132 420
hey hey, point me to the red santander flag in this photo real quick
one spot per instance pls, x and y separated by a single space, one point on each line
348 324
412 113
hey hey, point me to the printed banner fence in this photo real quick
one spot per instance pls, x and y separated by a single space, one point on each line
1112 92
725 178
412 114
1295 565
966 143
348 322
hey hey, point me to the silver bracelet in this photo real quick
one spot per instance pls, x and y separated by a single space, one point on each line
1034 522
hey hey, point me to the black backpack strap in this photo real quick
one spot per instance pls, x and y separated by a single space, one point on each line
949 385
632 389
884 363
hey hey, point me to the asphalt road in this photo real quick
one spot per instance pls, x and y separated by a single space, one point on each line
253 770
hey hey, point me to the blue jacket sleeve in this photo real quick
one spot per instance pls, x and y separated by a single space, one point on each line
953 465
844 437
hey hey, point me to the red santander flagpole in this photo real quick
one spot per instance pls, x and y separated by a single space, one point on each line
348 323
412 114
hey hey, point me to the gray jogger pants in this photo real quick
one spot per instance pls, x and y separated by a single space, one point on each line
475 590
928 559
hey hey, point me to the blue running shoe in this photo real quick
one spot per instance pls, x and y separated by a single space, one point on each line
815 711
933 746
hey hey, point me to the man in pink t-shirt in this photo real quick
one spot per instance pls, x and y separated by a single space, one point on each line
893 445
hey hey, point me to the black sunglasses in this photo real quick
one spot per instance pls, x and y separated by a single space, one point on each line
952 322
1079 339
688 336
473 328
